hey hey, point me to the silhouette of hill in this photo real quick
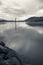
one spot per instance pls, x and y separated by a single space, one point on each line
35 21
4 20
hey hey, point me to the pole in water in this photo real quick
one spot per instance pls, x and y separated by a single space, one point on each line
15 23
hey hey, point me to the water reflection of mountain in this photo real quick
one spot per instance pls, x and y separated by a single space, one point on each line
35 21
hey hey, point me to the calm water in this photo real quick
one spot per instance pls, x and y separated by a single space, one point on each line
11 25
26 40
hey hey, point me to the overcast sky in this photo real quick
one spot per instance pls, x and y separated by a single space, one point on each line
9 9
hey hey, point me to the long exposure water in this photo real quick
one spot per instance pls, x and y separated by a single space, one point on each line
25 39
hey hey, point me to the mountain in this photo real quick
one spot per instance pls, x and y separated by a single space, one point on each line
4 20
35 21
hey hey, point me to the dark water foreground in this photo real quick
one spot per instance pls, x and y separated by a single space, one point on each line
9 56
28 43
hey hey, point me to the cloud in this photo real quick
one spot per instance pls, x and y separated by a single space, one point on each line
39 12
41 1
19 8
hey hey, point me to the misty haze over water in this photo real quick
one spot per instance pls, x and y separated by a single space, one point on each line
26 40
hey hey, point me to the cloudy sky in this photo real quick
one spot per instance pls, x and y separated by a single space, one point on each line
21 9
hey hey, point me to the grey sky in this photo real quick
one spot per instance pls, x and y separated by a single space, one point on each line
9 9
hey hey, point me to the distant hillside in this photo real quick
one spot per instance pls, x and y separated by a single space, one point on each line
35 21
4 20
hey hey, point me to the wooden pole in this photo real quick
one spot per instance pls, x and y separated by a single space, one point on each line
15 23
